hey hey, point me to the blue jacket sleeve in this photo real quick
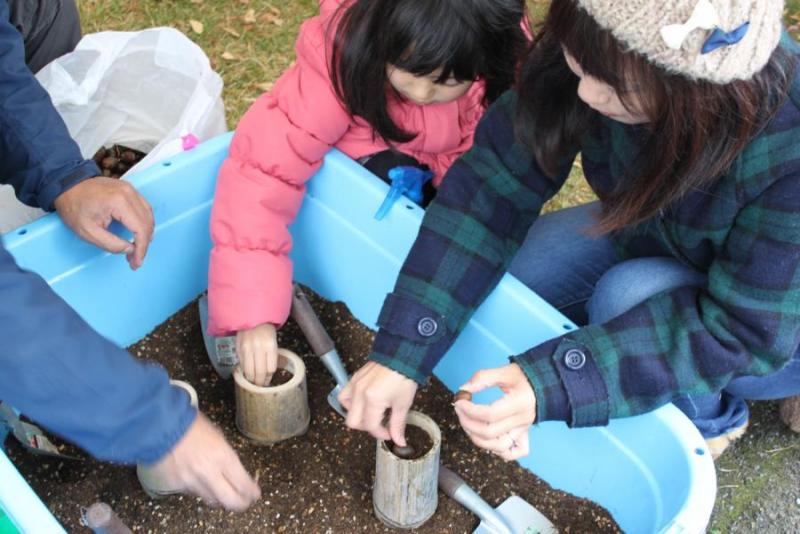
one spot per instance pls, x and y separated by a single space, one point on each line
37 155
66 377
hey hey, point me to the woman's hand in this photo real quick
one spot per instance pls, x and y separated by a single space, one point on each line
373 390
500 427
257 350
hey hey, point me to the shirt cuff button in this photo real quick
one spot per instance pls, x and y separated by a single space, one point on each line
427 327
574 359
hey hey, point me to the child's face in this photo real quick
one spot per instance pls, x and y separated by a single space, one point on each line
424 90
603 98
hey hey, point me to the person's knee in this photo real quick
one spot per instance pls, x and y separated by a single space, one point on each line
49 28
631 282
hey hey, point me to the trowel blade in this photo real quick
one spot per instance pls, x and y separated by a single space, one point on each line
521 517
333 400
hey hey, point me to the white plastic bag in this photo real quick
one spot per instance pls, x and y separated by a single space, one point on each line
152 90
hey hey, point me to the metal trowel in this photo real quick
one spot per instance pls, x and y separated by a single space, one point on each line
321 343
513 516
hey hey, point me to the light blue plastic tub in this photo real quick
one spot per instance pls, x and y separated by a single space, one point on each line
652 472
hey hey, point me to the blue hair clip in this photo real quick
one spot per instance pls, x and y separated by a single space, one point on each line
719 38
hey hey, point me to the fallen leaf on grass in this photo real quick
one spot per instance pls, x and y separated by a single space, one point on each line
250 16
273 19
231 31
197 26
228 56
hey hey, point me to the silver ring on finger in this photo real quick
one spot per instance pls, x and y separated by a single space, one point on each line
514 443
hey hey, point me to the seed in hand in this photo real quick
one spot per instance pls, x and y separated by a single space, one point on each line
462 395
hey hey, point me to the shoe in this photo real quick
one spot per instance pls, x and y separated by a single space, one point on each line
148 478
790 412
221 350
717 445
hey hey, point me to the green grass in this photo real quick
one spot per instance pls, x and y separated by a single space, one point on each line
249 43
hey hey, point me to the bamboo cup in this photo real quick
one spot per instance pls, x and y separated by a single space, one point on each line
151 481
271 414
405 491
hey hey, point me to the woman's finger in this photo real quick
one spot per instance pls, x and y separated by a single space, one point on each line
493 430
520 446
355 410
372 421
500 409
487 378
496 445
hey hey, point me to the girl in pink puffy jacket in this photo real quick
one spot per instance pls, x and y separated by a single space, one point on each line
387 82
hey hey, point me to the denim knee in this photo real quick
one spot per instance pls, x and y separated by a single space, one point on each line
633 281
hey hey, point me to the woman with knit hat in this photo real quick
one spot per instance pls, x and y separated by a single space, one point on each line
684 276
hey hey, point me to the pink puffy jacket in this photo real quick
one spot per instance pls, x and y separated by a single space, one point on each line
278 145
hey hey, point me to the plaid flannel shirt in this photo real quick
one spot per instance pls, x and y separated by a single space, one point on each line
743 231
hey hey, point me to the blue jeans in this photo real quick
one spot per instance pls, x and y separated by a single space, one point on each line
585 279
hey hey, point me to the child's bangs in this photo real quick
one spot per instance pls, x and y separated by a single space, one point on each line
420 41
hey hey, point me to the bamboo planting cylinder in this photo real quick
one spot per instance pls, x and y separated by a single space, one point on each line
405 491
102 520
149 478
271 414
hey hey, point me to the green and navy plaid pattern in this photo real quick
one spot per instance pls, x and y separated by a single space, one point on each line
744 232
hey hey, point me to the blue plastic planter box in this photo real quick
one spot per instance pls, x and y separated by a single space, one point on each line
652 472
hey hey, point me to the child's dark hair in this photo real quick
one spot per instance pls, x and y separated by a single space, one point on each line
695 129
467 39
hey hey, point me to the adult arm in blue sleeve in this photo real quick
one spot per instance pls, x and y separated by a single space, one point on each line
59 372
37 155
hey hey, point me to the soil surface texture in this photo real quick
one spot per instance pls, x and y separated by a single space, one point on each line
319 482
280 377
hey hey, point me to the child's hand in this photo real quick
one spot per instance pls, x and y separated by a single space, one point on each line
257 349
500 427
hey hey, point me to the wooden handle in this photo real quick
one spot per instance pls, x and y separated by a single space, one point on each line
449 482
302 312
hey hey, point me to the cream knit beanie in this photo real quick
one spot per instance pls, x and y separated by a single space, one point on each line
715 40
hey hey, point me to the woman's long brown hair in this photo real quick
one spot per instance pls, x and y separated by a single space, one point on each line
696 129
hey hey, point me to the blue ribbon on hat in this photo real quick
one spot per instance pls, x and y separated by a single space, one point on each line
720 38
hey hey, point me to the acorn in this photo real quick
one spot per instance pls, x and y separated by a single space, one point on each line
405 453
99 155
462 395
128 156
109 162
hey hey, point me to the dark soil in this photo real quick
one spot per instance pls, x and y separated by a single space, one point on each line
319 482
281 376
115 161
418 442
